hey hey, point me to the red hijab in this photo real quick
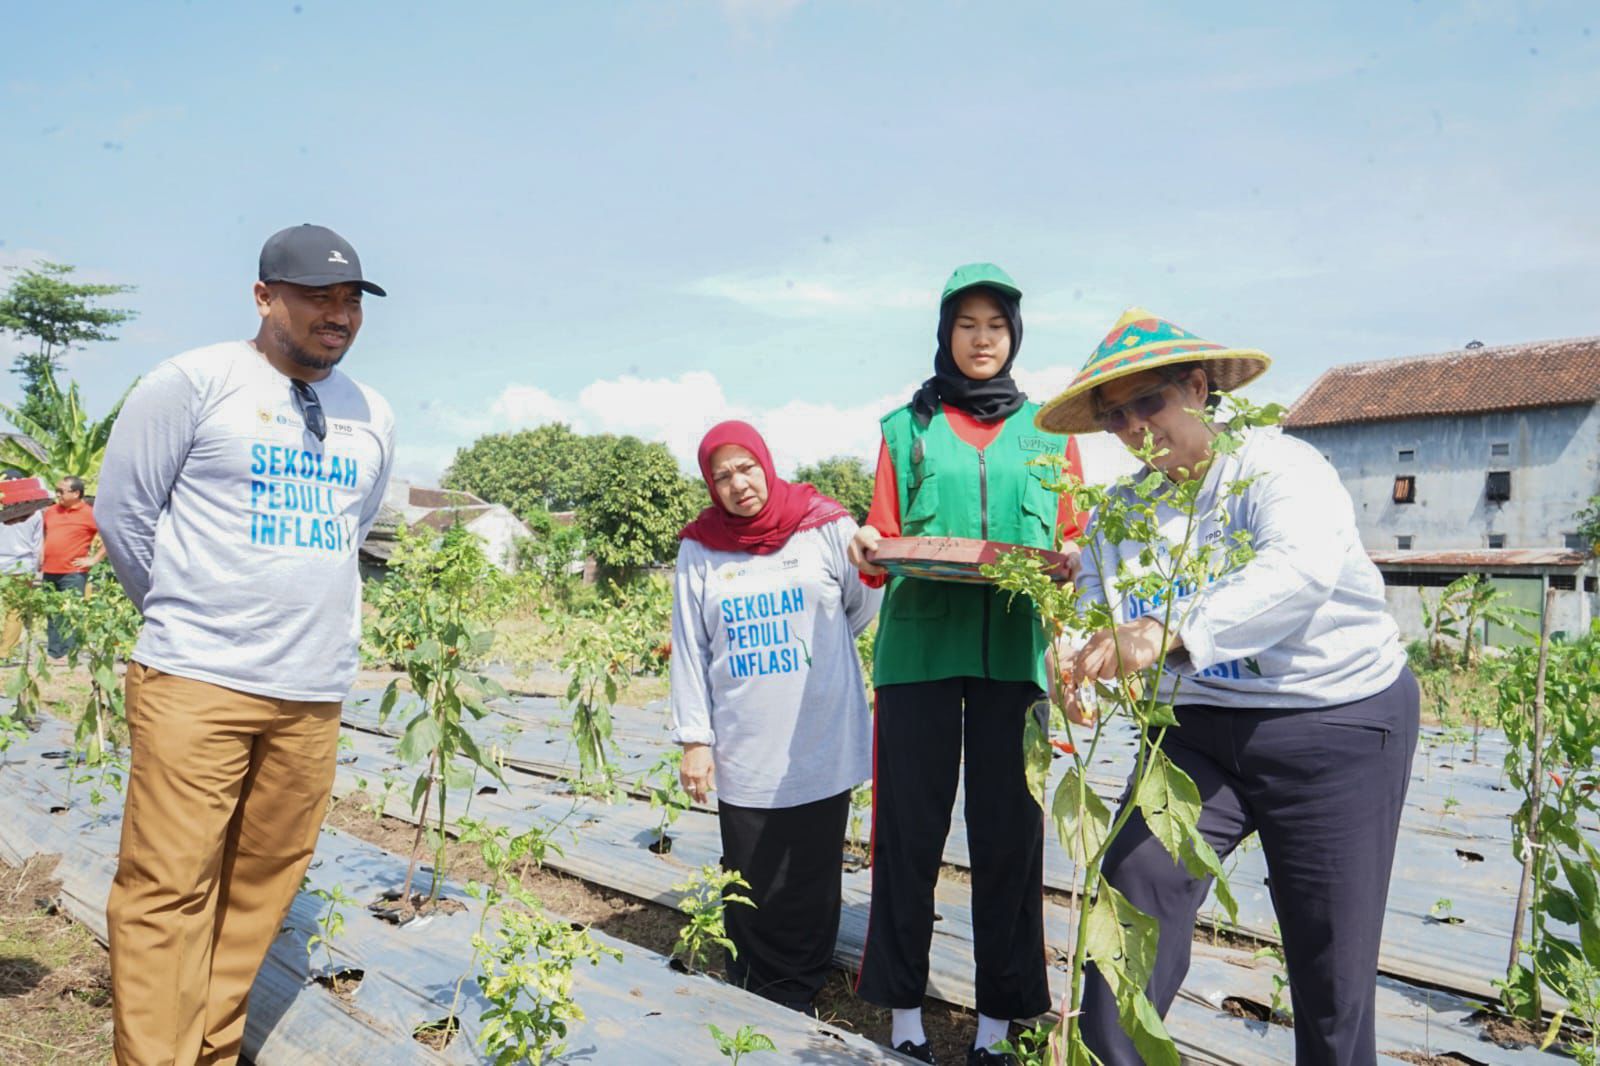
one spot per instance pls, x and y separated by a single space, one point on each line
789 509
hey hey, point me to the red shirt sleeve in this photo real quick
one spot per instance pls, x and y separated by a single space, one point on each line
884 514
1069 520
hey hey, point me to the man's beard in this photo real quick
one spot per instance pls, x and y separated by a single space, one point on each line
302 356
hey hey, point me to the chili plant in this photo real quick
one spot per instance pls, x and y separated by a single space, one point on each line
667 795
506 857
432 594
595 660
1160 560
530 998
1550 711
705 898
105 625
330 925
31 601
746 1041
860 805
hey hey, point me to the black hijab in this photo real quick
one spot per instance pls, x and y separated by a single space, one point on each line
987 401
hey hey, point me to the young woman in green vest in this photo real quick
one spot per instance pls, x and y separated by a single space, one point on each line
959 667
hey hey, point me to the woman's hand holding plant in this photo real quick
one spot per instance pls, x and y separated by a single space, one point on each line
698 774
1123 651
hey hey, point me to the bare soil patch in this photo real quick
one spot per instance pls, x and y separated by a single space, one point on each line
652 926
55 978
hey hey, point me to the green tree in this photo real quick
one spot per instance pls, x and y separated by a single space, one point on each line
70 445
634 506
547 468
843 477
1589 523
42 304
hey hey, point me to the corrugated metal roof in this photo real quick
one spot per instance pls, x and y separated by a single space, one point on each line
1490 558
1504 378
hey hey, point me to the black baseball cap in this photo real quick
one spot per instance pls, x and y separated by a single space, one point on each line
312 256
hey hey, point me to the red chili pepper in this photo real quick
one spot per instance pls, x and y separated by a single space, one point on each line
1556 778
1063 747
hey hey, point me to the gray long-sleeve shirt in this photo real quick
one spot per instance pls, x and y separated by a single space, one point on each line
235 530
22 545
764 667
1302 624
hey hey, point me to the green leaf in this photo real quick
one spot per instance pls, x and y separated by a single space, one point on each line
422 735
1036 758
390 694
1582 880
457 776
1083 831
1161 715
1140 1021
1561 905
1169 802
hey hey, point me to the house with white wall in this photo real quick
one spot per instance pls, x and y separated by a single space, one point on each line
1472 461
422 507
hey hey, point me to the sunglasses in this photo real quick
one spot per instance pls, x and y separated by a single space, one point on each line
1115 419
305 398
1144 407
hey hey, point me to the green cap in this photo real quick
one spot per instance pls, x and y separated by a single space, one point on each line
965 277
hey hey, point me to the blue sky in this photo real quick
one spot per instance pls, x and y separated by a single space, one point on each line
647 216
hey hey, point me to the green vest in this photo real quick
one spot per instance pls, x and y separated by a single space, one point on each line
930 630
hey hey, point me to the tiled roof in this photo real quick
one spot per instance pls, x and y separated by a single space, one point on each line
445 517
431 498
1509 558
1471 381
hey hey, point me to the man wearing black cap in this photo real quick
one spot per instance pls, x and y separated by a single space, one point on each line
238 483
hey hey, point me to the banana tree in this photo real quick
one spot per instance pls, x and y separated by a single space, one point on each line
67 443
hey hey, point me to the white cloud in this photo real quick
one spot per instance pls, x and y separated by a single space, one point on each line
804 297
678 411
525 405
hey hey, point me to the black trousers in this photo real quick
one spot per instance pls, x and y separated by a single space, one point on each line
59 642
921 730
1324 788
793 858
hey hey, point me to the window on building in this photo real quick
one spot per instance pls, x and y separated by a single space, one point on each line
1564 582
1422 579
1403 543
1408 455
1499 450
1572 541
1497 540
1405 489
1589 584
1498 486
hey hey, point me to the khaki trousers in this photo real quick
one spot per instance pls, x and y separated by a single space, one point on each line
10 633
225 798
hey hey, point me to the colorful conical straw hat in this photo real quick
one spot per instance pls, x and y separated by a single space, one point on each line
1141 341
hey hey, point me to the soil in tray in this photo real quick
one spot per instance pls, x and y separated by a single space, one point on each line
55 979
654 927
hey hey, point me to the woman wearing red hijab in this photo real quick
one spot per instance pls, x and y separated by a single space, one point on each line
769 704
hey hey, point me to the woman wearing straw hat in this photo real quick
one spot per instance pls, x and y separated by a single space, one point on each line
957 668
769 705
1297 714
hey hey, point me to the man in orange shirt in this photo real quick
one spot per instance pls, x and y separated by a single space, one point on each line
69 534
